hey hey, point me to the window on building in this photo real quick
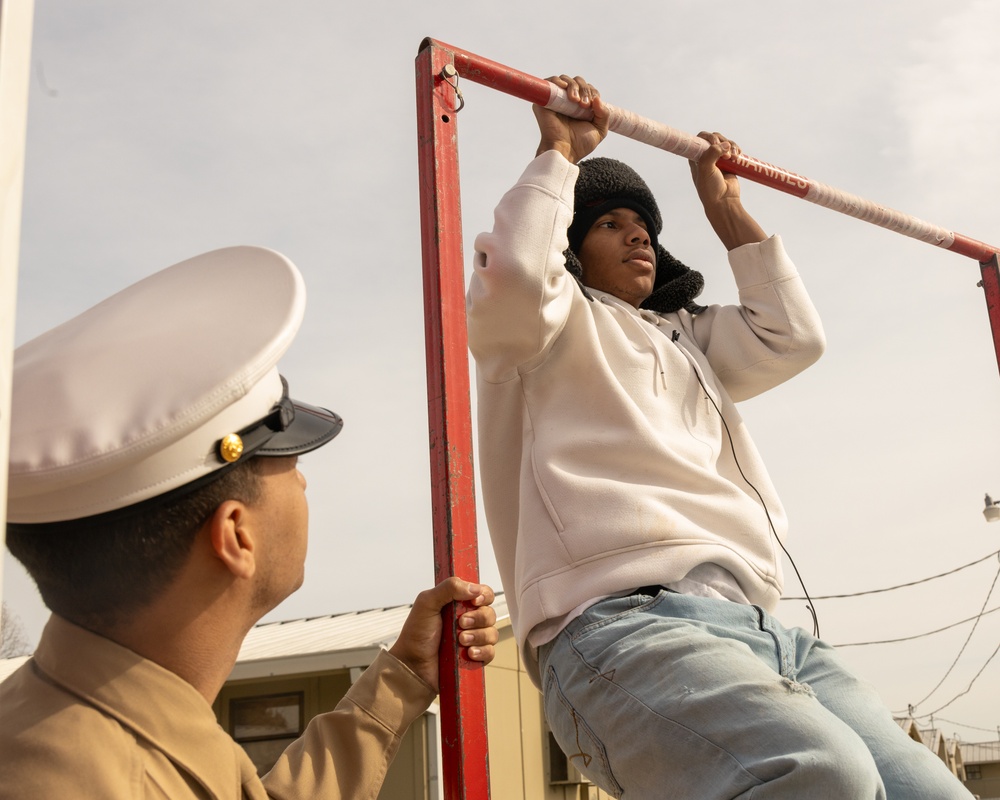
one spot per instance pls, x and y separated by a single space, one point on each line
558 763
266 724
561 768
973 772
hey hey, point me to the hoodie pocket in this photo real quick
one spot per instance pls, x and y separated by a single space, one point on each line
544 495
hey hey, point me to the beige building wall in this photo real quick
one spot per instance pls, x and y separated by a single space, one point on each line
408 777
983 779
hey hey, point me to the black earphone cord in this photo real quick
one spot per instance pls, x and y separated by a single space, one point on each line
732 446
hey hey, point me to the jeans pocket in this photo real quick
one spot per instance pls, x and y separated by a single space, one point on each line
576 738
611 611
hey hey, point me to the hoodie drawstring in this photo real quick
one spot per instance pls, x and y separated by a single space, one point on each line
649 317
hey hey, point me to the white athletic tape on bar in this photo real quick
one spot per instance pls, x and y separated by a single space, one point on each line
860 208
682 144
632 126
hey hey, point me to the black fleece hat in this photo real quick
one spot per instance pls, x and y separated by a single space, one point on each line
605 184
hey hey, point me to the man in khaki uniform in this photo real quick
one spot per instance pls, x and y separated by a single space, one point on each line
155 499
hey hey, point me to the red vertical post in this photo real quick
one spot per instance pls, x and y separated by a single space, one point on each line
991 288
465 766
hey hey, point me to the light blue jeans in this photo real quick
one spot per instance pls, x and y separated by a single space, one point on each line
692 698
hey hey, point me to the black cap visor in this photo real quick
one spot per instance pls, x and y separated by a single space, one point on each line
291 428
311 427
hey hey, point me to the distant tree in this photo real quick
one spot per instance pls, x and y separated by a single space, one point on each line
13 639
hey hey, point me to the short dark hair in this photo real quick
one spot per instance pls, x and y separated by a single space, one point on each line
99 571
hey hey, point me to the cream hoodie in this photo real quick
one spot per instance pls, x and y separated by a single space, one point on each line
605 463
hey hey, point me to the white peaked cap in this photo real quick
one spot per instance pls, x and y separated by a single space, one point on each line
131 399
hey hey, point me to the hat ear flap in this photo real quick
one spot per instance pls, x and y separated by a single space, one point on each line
676 285
667 267
575 268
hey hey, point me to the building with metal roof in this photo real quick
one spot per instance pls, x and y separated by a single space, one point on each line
982 768
289 671
350 640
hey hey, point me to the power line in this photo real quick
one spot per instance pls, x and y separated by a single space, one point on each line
967 688
901 585
965 644
920 635
970 727
982 613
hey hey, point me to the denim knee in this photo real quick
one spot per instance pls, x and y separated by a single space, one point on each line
836 768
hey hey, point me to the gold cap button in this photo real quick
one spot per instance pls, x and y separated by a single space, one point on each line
231 448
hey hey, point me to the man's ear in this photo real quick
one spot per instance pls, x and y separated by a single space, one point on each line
231 539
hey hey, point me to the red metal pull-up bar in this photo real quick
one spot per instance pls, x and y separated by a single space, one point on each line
463 713
464 768
656 134
536 90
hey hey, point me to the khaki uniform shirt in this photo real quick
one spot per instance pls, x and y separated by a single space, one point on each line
87 718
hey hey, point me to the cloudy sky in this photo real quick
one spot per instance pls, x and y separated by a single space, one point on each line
159 131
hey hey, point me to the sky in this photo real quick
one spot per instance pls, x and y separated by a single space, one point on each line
160 131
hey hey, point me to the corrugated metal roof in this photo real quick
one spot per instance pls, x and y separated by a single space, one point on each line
355 630
980 752
934 739
335 632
